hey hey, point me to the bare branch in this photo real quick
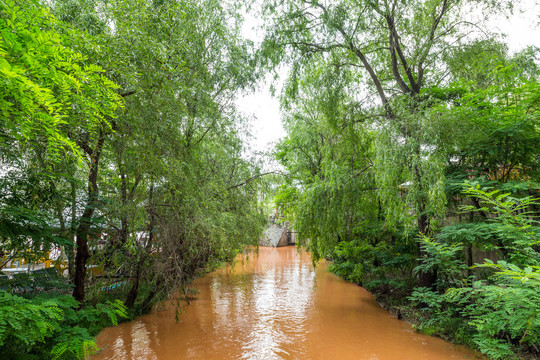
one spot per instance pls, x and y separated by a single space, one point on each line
127 93
247 181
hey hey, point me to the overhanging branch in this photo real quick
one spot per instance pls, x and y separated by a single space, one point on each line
251 179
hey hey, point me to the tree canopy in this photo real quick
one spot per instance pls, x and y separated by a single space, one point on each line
411 160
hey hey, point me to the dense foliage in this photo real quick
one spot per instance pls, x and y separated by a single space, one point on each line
411 157
121 150
491 305
51 327
404 125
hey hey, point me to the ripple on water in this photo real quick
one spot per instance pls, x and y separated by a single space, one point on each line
274 306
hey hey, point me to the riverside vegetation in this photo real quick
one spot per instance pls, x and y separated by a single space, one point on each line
119 132
411 159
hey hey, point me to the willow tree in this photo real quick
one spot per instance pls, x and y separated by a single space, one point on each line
397 50
175 156
329 159
190 67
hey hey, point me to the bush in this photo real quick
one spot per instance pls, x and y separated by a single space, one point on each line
504 313
496 310
51 327
379 266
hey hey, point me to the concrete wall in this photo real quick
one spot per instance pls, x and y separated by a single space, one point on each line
276 236
284 239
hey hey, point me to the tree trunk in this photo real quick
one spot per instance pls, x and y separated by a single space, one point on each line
152 294
134 291
151 226
124 223
82 254
425 278
70 251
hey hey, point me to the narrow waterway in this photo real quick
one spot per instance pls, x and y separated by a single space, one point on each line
274 305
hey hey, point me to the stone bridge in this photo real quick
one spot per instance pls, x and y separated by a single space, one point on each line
277 236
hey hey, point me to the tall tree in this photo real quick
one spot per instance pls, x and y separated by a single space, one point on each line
397 48
180 66
53 100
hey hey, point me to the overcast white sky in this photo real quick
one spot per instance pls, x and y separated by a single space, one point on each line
522 29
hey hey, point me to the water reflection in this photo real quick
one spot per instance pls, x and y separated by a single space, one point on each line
274 305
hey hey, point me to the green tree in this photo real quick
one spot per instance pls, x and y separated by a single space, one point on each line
52 99
45 83
492 306
179 66
396 51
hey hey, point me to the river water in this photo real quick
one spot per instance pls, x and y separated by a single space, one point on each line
274 305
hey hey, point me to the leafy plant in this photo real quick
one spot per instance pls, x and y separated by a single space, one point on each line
444 259
498 308
52 327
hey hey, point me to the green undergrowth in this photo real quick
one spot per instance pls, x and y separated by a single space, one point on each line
52 326
492 306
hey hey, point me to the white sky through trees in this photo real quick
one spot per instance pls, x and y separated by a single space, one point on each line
521 30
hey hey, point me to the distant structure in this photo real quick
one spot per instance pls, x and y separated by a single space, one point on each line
277 236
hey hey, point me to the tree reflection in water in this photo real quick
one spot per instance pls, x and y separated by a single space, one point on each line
274 305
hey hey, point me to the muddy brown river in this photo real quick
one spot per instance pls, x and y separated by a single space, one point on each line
274 306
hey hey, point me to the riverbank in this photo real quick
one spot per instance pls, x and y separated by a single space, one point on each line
396 303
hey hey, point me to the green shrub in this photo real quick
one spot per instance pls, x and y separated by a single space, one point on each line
444 259
374 266
51 327
498 309
505 312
